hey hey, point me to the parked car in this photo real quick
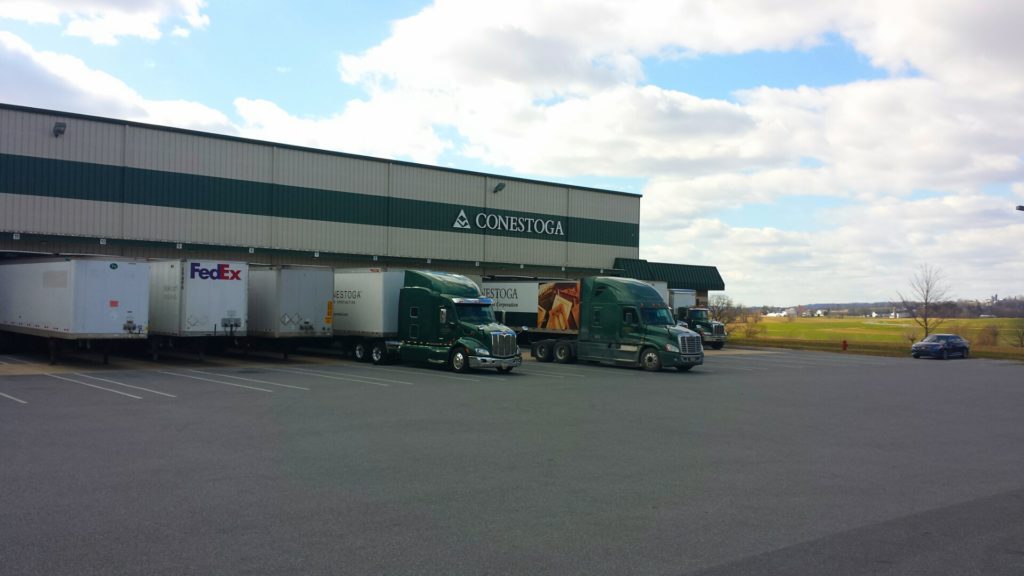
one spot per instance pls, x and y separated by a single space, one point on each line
941 346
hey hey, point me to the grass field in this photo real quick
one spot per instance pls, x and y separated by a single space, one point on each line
989 337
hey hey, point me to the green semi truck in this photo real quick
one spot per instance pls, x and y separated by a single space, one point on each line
417 316
615 321
684 306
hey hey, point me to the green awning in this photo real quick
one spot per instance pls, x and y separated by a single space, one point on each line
683 276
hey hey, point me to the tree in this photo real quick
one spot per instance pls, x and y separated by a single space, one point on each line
928 289
722 308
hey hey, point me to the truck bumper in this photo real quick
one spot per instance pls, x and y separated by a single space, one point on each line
682 359
491 362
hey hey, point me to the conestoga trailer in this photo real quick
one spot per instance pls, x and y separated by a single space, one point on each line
414 316
597 319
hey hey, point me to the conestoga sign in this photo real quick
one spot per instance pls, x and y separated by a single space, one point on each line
486 221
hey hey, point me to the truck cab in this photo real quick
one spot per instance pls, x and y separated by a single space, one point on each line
443 319
712 333
625 321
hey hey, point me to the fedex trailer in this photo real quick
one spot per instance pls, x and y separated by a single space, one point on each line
197 299
76 299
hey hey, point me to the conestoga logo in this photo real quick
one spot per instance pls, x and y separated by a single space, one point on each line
462 222
487 221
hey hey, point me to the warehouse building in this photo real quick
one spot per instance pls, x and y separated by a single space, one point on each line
76 184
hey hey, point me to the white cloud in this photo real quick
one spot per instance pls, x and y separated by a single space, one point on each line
105 21
62 82
372 128
863 253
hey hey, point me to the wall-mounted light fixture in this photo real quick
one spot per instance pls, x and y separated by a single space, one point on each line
59 128
499 187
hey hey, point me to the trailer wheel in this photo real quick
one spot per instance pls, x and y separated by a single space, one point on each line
379 353
650 360
459 361
542 351
718 345
563 352
359 352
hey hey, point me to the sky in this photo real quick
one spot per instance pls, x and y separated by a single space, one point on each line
813 151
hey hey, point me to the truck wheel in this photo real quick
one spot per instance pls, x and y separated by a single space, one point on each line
542 351
459 361
379 353
504 369
650 360
359 352
718 345
563 352
683 368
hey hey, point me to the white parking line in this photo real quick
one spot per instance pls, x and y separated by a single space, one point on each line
93 386
550 374
17 360
125 385
543 373
457 378
248 379
214 381
353 378
13 398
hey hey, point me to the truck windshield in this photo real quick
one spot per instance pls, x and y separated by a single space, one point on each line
699 315
656 317
475 313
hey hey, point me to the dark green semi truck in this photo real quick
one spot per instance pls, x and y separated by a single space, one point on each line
418 316
616 321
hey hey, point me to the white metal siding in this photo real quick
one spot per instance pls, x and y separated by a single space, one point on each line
327 172
407 243
597 255
293 234
196 226
527 197
598 206
28 134
525 251
437 186
61 216
199 155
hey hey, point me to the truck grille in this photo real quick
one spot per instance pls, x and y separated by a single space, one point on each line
719 330
690 345
503 344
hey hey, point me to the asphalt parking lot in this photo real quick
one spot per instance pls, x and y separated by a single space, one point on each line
758 462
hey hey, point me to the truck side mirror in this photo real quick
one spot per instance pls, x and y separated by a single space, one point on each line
444 316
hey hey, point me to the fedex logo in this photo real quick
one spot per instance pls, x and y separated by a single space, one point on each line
220 272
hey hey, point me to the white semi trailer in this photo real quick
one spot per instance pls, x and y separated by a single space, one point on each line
289 305
86 300
197 300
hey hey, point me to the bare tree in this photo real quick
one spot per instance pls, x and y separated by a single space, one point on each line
722 308
928 288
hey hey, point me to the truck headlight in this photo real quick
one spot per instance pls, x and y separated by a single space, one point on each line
671 348
482 352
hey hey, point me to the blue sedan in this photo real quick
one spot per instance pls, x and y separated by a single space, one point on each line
941 346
